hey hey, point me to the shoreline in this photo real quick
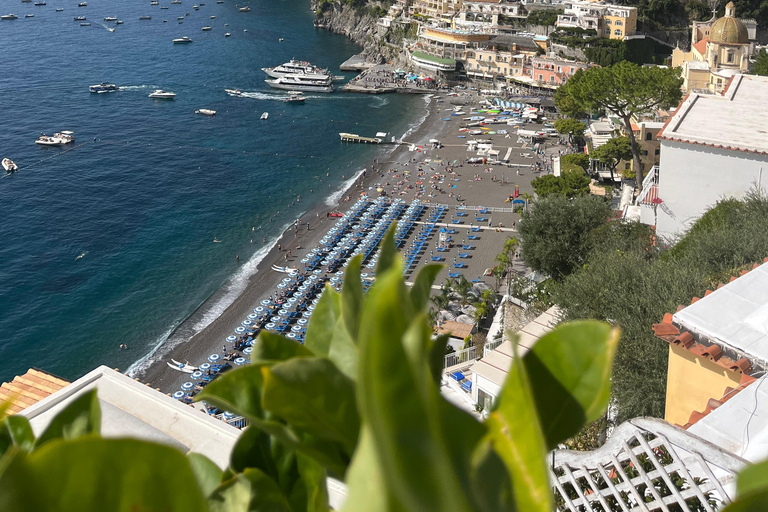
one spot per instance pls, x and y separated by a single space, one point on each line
263 281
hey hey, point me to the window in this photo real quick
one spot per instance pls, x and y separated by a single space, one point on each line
657 152
649 136
617 32
607 22
559 69
729 57
607 31
552 78
645 153
541 78
573 70
618 23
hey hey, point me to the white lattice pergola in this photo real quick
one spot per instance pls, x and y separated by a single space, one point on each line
646 465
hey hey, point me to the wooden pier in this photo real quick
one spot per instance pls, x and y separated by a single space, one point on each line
352 137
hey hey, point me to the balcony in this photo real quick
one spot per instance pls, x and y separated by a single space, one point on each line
650 193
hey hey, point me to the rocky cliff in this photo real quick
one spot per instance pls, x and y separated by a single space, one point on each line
358 24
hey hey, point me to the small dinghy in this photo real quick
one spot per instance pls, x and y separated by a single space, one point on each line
264 116
9 165
205 112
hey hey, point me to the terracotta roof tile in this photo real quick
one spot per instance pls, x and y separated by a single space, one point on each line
30 388
664 329
701 46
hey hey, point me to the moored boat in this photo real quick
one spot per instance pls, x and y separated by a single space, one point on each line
227 34
206 29
82 4
294 67
182 40
306 82
8 17
145 17
264 116
103 87
245 9
110 18
160 94
79 18
9 165
205 112
29 16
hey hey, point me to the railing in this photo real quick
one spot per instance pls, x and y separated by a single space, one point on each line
650 182
490 346
462 356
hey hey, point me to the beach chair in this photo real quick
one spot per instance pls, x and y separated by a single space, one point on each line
463 255
472 237
467 247
437 258
454 274
451 231
459 265
478 279
475 229
483 210
480 219
456 221
442 249
467 386
461 214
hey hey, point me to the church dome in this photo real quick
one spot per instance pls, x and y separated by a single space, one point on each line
728 29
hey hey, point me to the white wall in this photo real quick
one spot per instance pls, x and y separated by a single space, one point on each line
693 177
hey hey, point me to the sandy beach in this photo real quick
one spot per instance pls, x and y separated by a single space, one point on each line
411 171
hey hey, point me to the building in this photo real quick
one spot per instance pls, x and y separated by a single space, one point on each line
646 134
712 148
490 63
447 43
719 49
434 8
553 71
485 14
28 389
608 21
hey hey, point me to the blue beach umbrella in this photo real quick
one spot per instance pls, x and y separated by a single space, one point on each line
253 316
187 386
247 350
228 415
266 302
260 309
214 357
247 323
287 280
231 339
291 335
302 321
293 300
283 312
240 361
282 286
311 307
240 330
270 326
197 374
205 367
179 395
276 318
296 328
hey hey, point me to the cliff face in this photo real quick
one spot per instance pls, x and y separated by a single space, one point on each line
358 25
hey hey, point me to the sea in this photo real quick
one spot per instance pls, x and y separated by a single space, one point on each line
110 241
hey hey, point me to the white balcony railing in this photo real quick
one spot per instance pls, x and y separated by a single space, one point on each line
650 186
462 356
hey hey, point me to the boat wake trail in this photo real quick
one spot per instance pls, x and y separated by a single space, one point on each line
138 87
263 96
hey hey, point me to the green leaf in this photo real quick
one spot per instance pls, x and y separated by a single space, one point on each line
343 351
207 474
91 474
253 450
352 296
15 430
312 395
367 489
272 347
314 480
320 330
753 479
422 286
388 253
249 491
516 435
82 416
569 370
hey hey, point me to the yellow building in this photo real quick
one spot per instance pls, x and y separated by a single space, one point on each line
719 49
435 8
619 22
608 21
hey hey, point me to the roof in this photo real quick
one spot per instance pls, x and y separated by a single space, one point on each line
728 29
496 364
733 121
455 329
701 46
132 409
426 56
698 65
28 389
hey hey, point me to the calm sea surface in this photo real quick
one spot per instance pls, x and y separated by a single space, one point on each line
143 202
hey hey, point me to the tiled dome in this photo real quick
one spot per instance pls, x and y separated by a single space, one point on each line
728 29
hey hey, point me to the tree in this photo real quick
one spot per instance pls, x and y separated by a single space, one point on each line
555 234
613 152
570 127
572 182
624 89
761 63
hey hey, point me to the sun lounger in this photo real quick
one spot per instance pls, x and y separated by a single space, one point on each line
475 229
454 274
459 265
480 219
467 247
466 385
472 237
457 376
456 221
437 258
477 279
463 255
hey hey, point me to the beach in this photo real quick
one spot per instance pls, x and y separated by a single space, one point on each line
413 170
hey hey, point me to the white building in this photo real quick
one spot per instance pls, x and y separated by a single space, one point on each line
712 148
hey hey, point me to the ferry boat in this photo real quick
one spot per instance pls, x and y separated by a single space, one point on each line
160 94
205 112
110 18
307 82
9 165
295 97
245 9
103 87
182 40
8 17
294 67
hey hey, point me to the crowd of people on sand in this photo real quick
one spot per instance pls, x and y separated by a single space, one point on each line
380 78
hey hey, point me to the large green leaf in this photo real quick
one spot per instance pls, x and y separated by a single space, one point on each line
16 430
314 484
324 319
207 473
422 286
274 347
388 253
569 370
752 485
403 407
249 491
254 450
312 395
367 489
93 474
82 416
515 432
352 296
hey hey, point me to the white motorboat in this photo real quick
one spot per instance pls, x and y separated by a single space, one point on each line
103 87
294 67
233 92
307 82
213 17
39 4
9 165
65 136
175 1
8 17
85 24
160 94
82 4
118 22
182 40
29 16
79 18
227 34
110 18
206 29
245 9
196 7
59 9
205 112
46 140
296 97
264 116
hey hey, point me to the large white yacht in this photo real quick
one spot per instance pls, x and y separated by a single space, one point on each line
294 67
306 82
160 94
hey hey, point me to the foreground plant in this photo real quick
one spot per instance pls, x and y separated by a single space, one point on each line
360 400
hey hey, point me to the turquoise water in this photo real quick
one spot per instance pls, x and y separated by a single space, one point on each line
143 202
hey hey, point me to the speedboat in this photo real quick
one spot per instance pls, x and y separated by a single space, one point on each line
227 34
160 94
219 1
154 2
110 18
29 16
103 87
145 17
306 82
213 17
59 9
233 92
163 7
118 22
175 1
264 116
8 17
196 7
182 40
9 165
295 97
39 3
82 4
294 67
80 18
245 9
205 112
65 136
206 29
